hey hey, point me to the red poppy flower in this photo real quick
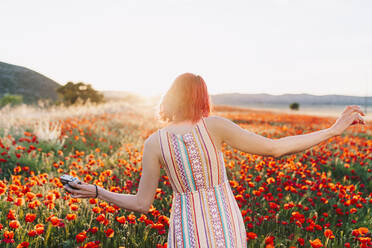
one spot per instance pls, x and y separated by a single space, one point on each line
24 244
251 235
39 228
14 224
81 237
109 233
329 234
316 243
30 217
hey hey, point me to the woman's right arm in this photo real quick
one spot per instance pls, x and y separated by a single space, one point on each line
140 202
253 143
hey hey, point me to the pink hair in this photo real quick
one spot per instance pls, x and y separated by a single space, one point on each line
187 99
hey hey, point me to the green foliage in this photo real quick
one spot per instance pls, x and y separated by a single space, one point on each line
38 159
356 174
294 106
71 93
11 100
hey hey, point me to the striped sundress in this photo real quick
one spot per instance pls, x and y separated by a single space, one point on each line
204 211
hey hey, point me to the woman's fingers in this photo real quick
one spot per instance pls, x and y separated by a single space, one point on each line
357 119
77 193
354 113
71 190
361 120
350 116
351 108
357 109
67 188
84 191
77 185
80 196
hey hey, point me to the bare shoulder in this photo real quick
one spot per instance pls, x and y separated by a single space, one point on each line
152 144
217 122
216 125
152 140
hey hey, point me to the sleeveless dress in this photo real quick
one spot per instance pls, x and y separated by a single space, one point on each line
204 211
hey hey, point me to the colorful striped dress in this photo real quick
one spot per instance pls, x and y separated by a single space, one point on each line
204 211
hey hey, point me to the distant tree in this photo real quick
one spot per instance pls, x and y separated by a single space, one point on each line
294 106
11 100
73 93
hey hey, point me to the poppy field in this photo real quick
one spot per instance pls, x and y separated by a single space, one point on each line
321 197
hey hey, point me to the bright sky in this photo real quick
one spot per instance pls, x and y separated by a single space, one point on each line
314 46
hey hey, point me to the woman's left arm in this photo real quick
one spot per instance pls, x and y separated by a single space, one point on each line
293 144
141 202
298 143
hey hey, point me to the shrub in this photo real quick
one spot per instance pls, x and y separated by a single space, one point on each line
74 93
294 106
12 100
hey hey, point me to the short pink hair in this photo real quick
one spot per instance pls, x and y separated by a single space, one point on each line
187 99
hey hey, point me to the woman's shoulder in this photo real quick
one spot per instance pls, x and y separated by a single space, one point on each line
152 144
216 122
216 126
215 118
153 139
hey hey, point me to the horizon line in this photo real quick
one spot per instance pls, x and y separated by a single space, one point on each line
230 93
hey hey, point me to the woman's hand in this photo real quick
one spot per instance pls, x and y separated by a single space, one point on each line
350 116
82 190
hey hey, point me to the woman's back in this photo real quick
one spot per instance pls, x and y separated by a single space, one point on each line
204 210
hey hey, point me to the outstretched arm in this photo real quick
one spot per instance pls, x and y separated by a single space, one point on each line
298 143
250 142
141 202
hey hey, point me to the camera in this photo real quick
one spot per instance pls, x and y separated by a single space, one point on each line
65 179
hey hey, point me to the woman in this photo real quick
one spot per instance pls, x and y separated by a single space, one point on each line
204 210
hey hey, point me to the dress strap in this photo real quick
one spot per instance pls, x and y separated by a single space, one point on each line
204 126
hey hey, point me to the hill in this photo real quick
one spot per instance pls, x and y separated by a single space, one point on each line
28 83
